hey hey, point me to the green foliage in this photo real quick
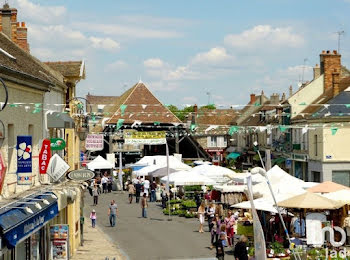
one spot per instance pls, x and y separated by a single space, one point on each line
193 188
251 251
181 212
181 113
210 107
277 247
175 201
189 204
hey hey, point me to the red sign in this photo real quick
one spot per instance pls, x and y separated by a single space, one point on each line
2 170
44 156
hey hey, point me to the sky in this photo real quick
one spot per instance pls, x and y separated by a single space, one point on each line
188 52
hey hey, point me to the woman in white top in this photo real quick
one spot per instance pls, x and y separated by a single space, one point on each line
211 214
201 212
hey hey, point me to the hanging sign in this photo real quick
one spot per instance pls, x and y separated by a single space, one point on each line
94 142
57 144
44 156
148 138
24 160
81 175
57 167
2 170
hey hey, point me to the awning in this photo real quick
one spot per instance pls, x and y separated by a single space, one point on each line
17 223
59 120
233 156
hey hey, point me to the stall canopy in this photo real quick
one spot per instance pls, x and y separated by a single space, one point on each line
233 156
99 163
259 204
340 195
162 172
327 186
217 173
187 178
310 200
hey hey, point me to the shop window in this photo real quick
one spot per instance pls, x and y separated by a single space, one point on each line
341 177
316 176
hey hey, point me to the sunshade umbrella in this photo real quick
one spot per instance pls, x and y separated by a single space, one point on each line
310 200
340 195
327 186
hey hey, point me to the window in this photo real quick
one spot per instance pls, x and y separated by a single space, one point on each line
213 141
341 177
316 176
315 144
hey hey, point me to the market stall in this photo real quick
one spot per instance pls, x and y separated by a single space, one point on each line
99 163
327 187
184 178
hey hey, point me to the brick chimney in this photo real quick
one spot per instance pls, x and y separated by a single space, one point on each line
195 108
283 97
317 71
290 90
16 31
330 62
252 99
335 81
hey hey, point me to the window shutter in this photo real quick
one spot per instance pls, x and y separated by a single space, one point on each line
208 141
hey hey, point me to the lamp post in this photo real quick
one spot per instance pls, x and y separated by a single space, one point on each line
262 171
6 94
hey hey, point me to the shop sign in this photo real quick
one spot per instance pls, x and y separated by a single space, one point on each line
44 156
26 228
2 170
59 236
24 160
57 144
94 142
147 138
300 157
57 167
81 175
289 164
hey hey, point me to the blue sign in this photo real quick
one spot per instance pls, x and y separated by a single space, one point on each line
24 154
20 232
289 164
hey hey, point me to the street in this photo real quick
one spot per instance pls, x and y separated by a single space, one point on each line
151 238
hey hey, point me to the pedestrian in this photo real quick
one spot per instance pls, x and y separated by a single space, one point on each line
201 212
198 200
131 190
210 213
223 235
220 252
138 188
104 181
230 222
112 213
215 231
240 251
153 191
144 205
93 218
95 194
146 185
110 184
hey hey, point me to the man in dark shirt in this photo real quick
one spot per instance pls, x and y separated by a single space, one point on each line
138 188
153 192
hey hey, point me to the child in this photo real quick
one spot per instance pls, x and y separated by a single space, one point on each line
223 235
93 218
220 252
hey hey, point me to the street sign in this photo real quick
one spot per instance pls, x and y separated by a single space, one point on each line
57 144
24 160
44 156
81 175
2 170
148 138
94 142
57 167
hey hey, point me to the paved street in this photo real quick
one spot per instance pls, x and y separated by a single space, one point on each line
152 238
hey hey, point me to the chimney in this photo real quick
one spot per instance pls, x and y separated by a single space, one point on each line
16 31
195 108
330 62
290 90
283 96
275 99
335 81
317 71
252 99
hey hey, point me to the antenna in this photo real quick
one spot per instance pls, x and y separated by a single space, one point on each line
302 78
340 33
208 94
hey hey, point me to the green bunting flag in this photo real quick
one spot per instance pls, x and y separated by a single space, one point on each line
122 109
193 127
93 117
80 106
334 130
36 110
156 123
302 104
232 130
120 123
37 105
347 105
257 104
13 105
282 128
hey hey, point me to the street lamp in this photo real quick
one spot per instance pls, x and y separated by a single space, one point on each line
82 133
6 94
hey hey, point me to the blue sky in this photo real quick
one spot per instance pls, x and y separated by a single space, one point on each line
184 49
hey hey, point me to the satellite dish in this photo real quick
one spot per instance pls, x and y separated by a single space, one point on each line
300 84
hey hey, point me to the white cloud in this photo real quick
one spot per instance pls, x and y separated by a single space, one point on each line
265 36
153 63
40 13
213 56
104 43
117 66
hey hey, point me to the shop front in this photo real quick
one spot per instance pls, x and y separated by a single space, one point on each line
217 155
25 227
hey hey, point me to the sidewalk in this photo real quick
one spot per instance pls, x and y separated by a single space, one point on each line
96 246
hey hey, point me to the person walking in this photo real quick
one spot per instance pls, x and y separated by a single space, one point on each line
104 181
93 218
153 192
219 245
113 213
110 184
131 190
95 194
215 231
201 212
144 205
230 223
146 185
138 188
211 214
240 251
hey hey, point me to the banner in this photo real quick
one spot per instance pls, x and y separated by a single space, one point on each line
44 156
57 144
24 160
57 167
2 170
148 138
94 142
259 238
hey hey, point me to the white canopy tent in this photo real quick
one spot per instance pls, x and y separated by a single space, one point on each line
99 163
340 195
217 173
187 178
